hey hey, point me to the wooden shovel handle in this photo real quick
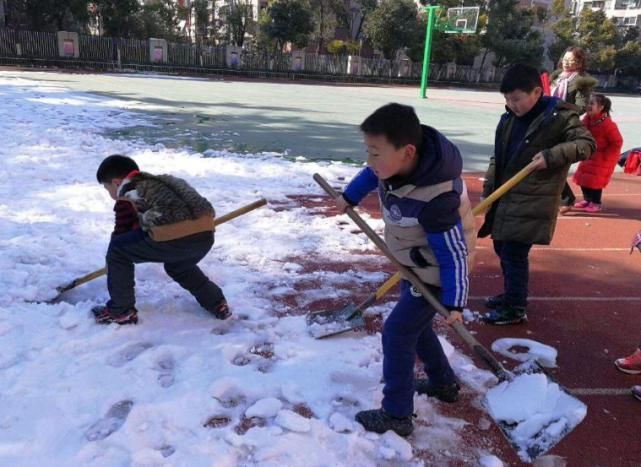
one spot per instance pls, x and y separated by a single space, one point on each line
493 364
217 221
478 210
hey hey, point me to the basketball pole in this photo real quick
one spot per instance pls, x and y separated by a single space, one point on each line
431 9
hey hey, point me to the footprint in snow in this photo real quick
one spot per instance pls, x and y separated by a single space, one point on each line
166 366
217 421
127 354
111 422
167 451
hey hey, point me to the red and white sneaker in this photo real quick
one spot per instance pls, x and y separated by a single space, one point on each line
222 310
593 208
636 392
630 364
104 315
581 204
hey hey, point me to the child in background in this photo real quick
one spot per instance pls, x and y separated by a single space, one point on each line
546 131
594 174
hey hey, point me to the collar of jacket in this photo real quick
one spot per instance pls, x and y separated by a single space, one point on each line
126 181
582 81
550 107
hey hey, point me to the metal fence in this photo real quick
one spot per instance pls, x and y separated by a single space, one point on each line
40 48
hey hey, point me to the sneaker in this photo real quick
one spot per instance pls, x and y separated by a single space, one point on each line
221 311
444 392
593 207
507 314
563 210
379 421
581 204
494 302
630 364
104 315
636 392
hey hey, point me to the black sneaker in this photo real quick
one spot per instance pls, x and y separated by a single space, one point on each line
444 392
221 311
507 314
494 302
104 315
379 421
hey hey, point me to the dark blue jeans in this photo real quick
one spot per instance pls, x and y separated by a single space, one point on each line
179 257
516 270
408 332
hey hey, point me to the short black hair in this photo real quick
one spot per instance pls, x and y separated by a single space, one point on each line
604 101
520 77
115 166
397 122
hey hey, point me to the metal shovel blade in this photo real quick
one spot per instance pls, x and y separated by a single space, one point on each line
535 434
330 323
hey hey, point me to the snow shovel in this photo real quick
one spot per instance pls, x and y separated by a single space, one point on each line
101 272
530 437
332 323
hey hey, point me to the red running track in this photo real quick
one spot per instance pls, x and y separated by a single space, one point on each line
585 301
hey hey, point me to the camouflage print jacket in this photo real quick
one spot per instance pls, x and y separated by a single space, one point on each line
168 207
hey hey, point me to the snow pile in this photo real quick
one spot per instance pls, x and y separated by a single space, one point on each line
535 412
180 388
541 353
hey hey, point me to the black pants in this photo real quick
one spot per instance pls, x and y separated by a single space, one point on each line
567 197
592 195
180 258
516 270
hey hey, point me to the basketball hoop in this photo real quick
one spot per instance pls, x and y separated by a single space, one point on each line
461 20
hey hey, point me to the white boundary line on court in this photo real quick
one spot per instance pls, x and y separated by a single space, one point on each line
585 391
570 299
544 248
600 391
585 218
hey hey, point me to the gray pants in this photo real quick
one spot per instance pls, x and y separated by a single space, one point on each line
180 258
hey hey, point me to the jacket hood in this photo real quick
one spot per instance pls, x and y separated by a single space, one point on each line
439 161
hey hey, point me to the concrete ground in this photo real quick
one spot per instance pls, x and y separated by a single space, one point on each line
311 120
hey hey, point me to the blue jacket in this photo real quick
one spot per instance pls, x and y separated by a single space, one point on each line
443 247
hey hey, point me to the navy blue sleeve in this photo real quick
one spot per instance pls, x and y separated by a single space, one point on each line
441 220
441 214
364 182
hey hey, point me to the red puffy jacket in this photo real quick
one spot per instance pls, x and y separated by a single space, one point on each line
596 172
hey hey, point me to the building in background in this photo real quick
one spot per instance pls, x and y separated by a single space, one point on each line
626 13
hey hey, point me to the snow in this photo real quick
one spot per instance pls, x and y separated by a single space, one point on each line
264 408
490 461
541 353
291 421
540 410
181 388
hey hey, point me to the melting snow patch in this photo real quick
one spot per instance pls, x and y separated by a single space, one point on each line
543 354
292 421
490 461
534 412
393 445
340 423
264 408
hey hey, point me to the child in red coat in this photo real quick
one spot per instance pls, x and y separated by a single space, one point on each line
594 174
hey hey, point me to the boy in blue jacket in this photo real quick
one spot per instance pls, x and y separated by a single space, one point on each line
429 227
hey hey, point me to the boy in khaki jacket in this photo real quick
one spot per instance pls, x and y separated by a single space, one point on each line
175 226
